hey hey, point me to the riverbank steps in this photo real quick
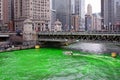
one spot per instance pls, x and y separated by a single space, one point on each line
17 48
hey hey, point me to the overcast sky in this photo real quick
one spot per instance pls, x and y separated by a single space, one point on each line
96 5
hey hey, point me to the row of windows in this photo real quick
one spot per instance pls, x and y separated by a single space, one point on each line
38 2
37 9
0 6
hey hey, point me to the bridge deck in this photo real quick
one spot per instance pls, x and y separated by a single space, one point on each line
77 33
53 40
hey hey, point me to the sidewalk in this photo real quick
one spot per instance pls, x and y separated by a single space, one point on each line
17 48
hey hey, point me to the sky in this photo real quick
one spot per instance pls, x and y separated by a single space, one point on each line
96 5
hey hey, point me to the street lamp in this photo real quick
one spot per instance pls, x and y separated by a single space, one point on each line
104 27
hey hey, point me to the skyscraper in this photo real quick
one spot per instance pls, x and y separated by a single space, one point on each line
1 14
110 12
89 9
5 11
63 13
102 12
11 9
108 8
4 14
1 11
117 17
53 4
36 10
75 22
88 19
80 10
11 15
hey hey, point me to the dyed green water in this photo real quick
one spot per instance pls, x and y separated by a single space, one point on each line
52 64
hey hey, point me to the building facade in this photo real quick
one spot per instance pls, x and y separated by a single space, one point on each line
75 22
5 11
53 19
5 14
53 14
63 13
89 9
36 10
1 14
88 18
80 10
96 22
11 15
57 26
117 17
102 14
108 11
1 11
88 23
110 14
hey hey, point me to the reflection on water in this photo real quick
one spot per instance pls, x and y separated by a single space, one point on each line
95 47
92 47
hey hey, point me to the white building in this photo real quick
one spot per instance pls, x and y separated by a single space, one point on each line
57 26
36 10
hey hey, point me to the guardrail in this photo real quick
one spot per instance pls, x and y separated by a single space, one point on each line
54 40
79 33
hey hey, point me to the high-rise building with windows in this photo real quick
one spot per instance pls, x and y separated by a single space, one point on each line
1 10
75 22
53 14
11 15
80 11
89 9
4 14
117 17
1 14
102 13
5 11
110 10
36 10
88 18
63 13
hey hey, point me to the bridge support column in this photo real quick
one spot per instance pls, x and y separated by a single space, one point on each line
29 33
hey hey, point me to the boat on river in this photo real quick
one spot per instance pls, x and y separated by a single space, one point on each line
68 52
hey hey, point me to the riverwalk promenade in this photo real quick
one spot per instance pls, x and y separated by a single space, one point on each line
17 48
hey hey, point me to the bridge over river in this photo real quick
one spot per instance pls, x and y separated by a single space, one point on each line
69 37
60 36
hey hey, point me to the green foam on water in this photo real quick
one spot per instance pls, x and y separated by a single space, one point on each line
52 64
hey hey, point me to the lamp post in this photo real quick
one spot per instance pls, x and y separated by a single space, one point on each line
112 28
105 28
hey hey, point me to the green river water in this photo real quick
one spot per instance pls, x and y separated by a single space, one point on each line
52 64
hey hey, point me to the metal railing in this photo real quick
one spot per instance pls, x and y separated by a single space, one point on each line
79 33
